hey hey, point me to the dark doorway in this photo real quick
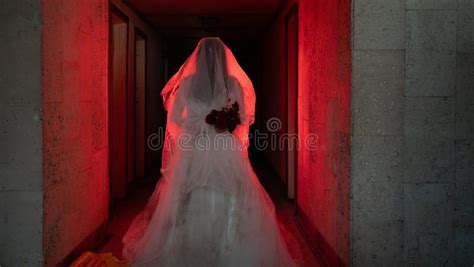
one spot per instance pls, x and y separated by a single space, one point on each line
140 103
118 46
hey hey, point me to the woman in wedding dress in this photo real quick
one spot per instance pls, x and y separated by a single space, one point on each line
208 208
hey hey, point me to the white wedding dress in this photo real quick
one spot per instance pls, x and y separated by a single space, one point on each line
208 209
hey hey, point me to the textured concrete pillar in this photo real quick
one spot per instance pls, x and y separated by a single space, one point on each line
412 150
378 84
21 198
324 110
75 126
464 150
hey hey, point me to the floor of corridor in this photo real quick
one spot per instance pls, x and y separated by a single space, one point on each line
125 210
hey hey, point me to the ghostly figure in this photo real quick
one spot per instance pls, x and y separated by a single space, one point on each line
208 209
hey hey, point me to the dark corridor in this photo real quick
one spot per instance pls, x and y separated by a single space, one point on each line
176 29
168 32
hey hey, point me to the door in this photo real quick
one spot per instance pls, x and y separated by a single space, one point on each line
117 103
140 108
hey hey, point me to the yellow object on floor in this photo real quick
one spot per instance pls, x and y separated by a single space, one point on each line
90 259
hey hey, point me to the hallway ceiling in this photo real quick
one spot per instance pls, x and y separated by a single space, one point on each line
230 19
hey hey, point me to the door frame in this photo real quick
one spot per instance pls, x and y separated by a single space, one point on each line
291 192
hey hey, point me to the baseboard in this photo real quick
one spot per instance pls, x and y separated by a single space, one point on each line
317 242
90 243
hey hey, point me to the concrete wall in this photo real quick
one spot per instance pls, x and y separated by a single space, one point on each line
412 129
75 126
21 206
324 110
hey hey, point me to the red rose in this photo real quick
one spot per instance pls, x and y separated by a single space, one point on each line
235 105
221 121
211 118
226 119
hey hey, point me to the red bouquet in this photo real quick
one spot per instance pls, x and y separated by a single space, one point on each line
226 119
